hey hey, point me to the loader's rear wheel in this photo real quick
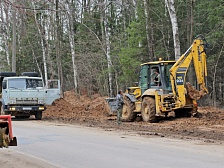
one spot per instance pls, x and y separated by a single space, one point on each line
128 113
38 115
148 110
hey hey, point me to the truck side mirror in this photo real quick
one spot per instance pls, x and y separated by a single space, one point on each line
4 85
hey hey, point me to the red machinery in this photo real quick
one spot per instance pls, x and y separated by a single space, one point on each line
6 136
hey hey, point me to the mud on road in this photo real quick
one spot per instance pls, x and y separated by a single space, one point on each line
94 112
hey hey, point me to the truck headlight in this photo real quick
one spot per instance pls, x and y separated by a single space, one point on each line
41 108
12 101
12 108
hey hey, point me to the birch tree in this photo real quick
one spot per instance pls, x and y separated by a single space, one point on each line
42 43
5 29
70 19
107 43
173 17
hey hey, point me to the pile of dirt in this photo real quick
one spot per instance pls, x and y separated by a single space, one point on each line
94 112
81 109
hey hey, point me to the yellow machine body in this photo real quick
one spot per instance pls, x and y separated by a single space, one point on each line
171 95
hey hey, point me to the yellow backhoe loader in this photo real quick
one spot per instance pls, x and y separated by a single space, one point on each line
162 88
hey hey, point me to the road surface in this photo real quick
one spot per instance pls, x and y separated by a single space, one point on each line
45 144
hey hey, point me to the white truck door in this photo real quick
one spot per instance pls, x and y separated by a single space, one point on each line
52 91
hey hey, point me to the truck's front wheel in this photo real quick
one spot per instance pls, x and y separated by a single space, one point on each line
148 110
38 115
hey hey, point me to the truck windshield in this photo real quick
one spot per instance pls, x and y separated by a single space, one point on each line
22 83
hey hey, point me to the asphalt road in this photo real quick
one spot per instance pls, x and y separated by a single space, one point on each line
69 146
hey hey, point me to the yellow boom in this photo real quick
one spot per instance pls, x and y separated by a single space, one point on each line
178 71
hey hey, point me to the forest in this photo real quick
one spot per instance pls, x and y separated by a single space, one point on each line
98 45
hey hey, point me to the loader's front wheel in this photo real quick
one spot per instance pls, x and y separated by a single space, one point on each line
38 115
148 110
128 113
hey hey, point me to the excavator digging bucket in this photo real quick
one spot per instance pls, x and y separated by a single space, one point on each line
6 136
193 93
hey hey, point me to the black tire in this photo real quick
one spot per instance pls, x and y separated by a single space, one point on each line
182 113
25 117
128 114
30 74
7 74
149 110
38 115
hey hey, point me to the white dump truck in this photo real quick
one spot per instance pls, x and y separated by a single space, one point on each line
26 95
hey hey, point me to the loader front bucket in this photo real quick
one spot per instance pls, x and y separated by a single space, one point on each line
6 136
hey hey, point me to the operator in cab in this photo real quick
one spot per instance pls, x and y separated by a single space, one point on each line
157 79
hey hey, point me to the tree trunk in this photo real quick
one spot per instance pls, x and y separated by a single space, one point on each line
149 31
190 24
173 18
109 63
5 18
190 21
214 98
42 45
14 40
70 19
58 48
106 35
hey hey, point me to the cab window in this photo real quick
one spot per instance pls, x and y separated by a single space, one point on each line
143 83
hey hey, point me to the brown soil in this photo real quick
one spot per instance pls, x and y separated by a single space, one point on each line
94 112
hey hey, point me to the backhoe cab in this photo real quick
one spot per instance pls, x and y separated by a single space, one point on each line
162 89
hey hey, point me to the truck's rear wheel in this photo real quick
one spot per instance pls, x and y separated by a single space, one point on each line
27 116
148 110
128 113
38 115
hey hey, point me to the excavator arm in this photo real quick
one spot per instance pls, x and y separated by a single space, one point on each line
197 54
